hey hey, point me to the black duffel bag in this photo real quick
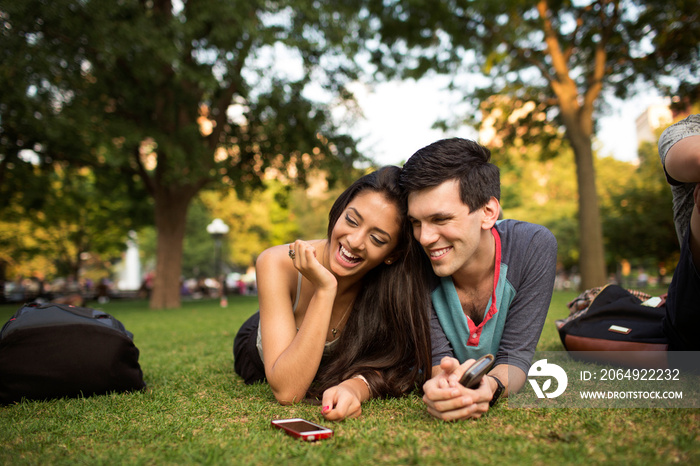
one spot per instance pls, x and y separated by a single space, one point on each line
56 350
612 325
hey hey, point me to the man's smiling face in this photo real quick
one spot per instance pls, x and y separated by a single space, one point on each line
446 228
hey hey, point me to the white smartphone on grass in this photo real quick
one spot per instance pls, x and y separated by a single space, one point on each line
303 429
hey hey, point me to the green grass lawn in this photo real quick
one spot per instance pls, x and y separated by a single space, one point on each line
197 411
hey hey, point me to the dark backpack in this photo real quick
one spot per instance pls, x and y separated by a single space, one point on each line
56 350
611 320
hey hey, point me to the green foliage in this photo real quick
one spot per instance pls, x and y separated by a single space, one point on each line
182 95
77 212
560 57
676 51
310 213
120 75
263 220
505 43
635 203
638 219
541 192
197 411
276 214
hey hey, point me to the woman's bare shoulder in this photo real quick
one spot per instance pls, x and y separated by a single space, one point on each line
279 255
276 277
275 258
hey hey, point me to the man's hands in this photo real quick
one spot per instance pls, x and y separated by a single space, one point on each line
449 400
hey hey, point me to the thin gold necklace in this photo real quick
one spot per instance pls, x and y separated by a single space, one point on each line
334 330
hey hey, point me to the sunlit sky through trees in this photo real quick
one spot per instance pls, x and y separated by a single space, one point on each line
399 117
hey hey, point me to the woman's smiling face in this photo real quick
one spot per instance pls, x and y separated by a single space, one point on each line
365 234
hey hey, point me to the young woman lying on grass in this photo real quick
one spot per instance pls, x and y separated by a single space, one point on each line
343 318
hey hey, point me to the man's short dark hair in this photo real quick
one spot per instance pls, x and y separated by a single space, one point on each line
450 159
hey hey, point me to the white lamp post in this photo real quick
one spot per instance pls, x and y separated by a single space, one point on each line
217 229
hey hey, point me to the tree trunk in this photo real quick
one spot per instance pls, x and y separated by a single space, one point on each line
170 216
577 113
3 279
592 257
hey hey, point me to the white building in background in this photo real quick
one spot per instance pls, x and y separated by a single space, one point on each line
653 118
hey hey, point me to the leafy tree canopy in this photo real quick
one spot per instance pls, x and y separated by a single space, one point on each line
76 214
561 55
493 48
181 94
638 218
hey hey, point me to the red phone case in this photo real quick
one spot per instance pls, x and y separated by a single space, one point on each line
303 429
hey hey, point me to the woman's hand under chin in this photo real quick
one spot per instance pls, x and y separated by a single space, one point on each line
306 262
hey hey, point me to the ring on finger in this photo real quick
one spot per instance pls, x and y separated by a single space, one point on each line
292 254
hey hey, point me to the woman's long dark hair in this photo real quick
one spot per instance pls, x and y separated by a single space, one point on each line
387 336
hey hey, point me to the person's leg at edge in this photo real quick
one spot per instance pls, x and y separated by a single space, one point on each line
682 320
695 228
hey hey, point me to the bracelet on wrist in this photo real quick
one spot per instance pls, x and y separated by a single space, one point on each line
361 377
499 391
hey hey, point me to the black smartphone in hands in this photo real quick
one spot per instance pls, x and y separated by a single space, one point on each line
303 429
476 371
